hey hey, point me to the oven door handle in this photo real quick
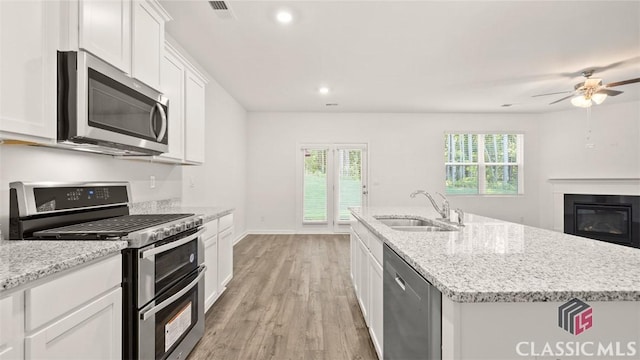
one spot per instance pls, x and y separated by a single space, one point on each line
171 245
145 315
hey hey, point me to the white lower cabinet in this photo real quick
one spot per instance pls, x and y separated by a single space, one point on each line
363 270
12 327
92 332
218 257
367 273
225 248
211 291
76 314
375 301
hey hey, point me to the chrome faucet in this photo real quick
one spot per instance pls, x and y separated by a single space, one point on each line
460 216
444 213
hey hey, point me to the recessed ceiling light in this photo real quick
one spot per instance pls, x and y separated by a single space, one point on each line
284 17
323 90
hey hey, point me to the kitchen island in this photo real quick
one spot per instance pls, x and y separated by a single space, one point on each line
503 284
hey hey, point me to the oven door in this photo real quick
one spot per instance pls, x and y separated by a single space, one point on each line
163 263
171 325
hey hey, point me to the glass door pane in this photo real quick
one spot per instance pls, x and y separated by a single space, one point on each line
350 184
315 186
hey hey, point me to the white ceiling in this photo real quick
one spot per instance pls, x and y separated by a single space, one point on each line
411 56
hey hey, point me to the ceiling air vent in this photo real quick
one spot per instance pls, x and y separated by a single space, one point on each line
222 10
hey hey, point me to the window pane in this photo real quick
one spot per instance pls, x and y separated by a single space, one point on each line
502 179
461 148
315 185
500 148
462 179
349 181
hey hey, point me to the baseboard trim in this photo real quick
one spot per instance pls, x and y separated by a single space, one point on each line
240 237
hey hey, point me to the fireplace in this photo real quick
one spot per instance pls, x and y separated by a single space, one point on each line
611 218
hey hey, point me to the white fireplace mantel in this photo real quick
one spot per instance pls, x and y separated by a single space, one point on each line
594 186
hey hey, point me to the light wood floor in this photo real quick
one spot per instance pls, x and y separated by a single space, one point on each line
290 298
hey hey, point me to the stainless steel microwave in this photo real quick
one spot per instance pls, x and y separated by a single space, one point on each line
103 110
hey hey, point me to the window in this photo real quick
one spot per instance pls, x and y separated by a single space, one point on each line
489 164
315 185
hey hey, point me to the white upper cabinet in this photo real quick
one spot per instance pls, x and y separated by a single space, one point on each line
194 118
127 34
172 85
185 88
28 45
105 31
148 42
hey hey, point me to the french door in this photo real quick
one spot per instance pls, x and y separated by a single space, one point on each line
331 178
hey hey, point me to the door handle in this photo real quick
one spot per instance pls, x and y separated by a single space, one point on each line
401 282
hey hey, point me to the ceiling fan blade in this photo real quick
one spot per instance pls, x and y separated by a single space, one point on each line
623 82
564 98
609 92
555 93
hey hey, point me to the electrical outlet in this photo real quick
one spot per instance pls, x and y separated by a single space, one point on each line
152 182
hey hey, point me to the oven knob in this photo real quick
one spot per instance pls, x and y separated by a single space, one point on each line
199 221
182 227
167 231
153 236
190 224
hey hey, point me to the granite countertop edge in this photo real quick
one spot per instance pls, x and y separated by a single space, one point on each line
460 296
98 251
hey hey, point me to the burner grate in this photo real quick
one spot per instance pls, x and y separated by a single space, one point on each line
116 226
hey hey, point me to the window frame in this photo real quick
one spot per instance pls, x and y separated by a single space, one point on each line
482 165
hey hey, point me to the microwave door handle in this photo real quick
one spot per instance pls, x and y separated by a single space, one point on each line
163 116
145 315
169 246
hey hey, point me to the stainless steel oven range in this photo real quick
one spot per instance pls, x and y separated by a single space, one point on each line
163 268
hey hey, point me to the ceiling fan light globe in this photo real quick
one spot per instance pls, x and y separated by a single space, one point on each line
598 98
581 101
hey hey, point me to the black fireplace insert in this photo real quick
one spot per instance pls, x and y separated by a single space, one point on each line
611 218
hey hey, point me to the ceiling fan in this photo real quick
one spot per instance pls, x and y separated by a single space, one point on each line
590 91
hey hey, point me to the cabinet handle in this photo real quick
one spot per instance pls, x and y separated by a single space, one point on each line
400 282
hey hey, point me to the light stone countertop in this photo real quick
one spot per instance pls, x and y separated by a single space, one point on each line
491 260
22 261
210 213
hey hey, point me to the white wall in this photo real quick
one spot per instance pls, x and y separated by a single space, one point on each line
405 154
221 181
565 151
28 163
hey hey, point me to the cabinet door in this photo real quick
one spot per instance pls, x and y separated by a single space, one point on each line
211 277
352 255
148 43
29 38
225 257
375 309
105 31
363 254
94 331
12 326
194 121
172 85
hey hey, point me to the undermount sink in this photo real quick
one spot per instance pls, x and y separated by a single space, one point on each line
414 224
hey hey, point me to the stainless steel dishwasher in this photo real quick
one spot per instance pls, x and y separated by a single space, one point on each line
412 312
